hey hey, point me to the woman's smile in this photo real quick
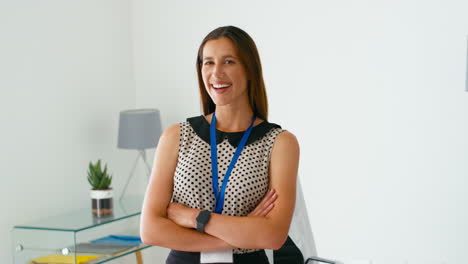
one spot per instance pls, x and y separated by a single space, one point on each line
220 87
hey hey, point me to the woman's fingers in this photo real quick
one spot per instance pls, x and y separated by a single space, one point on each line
266 199
272 198
266 205
269 204
267 209
260 206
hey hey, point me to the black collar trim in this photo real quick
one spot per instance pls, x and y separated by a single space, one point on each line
202 128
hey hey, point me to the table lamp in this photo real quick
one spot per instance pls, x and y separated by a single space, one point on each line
139 129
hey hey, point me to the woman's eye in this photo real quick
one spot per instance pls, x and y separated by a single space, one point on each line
208 62
229 61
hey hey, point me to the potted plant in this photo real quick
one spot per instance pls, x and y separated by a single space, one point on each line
101 193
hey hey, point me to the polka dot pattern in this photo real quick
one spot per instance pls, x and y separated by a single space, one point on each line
247 185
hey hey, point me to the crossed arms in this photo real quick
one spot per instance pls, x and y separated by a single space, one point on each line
171 225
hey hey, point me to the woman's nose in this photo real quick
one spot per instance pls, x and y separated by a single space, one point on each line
218 70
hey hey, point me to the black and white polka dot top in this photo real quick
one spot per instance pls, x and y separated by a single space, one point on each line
249 181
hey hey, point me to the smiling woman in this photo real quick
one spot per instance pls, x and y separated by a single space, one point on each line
230 217
231 46
223 73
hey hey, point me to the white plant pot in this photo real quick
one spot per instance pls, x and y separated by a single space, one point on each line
101 202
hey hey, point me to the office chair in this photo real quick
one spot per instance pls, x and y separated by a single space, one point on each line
299 247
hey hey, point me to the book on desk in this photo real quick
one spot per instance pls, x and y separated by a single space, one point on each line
88 252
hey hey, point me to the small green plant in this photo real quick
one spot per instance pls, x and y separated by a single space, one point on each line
99 179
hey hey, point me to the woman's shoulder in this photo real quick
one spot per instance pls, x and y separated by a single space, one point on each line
286 140
174 130
175 127
171 133
287 135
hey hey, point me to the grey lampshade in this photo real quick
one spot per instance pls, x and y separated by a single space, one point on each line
139 129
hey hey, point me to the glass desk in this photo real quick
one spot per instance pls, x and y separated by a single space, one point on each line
57 237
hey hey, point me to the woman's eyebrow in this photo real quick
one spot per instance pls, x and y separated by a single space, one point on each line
224 57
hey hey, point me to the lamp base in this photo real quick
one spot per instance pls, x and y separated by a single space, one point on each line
142 154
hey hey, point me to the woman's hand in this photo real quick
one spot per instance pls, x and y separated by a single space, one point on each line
182 215
266 205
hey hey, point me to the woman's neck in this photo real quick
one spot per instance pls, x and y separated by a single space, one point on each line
233 118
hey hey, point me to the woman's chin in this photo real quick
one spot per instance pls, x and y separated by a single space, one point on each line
224 100
220 102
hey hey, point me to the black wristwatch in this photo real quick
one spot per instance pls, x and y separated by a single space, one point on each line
202 219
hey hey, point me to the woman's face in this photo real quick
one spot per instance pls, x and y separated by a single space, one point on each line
223 74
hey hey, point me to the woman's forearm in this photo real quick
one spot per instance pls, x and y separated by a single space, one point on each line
246 232
165 233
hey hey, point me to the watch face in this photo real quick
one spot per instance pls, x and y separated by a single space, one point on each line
202 220
203 217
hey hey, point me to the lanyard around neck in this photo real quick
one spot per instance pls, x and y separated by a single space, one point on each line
219 194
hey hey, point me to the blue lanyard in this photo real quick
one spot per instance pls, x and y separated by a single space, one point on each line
219 195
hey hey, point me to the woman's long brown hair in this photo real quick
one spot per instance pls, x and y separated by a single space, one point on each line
248 53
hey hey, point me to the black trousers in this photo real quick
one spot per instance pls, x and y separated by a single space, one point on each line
183 257
289 253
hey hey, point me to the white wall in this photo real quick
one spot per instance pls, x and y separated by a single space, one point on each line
374 90
65 73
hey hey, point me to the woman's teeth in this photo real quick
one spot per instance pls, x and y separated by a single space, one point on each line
218 86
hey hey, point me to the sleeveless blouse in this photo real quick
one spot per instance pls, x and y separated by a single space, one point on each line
249 180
